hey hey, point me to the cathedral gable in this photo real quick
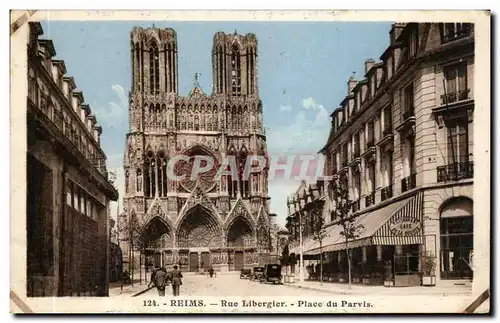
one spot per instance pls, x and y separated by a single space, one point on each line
197 197
155 210
239 209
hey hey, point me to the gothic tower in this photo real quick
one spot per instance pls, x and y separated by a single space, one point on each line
220 222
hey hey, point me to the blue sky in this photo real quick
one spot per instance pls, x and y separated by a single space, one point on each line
303 71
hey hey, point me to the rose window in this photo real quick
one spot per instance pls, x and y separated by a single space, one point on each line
204 178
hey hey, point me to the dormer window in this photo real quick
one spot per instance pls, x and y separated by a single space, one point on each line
454 31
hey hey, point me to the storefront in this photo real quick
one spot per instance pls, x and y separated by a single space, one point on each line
387 248
456 238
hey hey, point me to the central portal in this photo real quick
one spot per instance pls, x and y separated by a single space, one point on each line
193 262
199 228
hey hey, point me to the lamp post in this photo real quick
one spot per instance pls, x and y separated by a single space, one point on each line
301 242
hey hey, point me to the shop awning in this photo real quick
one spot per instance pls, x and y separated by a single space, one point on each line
398 223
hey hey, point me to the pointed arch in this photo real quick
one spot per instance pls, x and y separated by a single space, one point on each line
157 233
154 67
235 70
150 173
199 227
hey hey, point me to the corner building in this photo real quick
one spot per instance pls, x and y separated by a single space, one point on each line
68 190
401 142
196 223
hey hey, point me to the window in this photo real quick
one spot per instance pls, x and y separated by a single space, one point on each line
408 101
453 31
150 175
76 199
244 188
413 42
356 145
387 120
83 203
69 193
370 134
236 72
89 207
411 152
154 69
458 146
457 239
456 84
162 174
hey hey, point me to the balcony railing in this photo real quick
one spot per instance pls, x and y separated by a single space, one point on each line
408 114
386 193
408 183
387 130
370 199
455 171
355 154
355 206
455 96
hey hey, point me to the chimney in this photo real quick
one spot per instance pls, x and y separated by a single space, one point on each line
351 84
272 218
368 64
396 30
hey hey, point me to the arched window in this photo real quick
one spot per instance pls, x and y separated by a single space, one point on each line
232 181
162 174
235 71
457 238
196 123
126 181
221 70
244 187
154 69
150 175
138 184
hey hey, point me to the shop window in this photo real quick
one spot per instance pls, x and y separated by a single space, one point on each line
457 239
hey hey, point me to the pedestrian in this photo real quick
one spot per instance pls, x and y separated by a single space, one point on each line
161 280
211 272
153 277
176 277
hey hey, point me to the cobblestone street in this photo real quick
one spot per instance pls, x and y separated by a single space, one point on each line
232 285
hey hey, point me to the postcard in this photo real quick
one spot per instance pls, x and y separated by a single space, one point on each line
250 162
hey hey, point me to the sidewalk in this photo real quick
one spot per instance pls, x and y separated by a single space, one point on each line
358 289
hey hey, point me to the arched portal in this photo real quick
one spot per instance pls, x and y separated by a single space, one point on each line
240 234
240 237
156 237
457 238
199 229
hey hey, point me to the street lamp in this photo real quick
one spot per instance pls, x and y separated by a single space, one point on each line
301 242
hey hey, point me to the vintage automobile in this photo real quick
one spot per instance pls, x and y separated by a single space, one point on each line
271 273
245 273
257 272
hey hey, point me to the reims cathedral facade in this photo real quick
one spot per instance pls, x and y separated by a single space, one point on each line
202 222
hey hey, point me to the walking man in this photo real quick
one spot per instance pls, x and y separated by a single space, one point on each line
176 277
153 277
161 280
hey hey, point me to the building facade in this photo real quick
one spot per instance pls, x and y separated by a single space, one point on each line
68 191
195 222
401 143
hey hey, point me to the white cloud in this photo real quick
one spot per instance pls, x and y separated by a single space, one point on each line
116 110
285 108
306 133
